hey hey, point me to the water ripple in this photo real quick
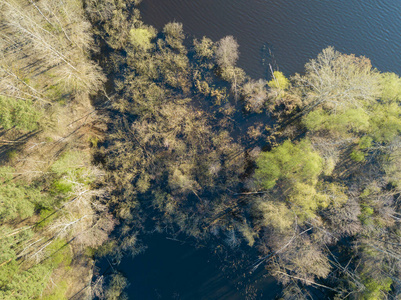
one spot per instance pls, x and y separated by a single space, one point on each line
295 30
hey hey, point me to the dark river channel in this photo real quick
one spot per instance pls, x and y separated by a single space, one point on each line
286 34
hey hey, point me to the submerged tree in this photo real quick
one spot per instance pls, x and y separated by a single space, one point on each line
227 52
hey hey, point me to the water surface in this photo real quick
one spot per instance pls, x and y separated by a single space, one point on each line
175 269
294 30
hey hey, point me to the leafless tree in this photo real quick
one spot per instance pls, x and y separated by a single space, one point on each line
227 52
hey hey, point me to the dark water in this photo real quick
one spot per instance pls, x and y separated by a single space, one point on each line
294 30
175 269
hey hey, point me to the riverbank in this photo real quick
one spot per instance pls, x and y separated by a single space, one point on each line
48 129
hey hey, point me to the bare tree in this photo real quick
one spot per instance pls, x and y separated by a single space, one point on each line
255 95
338 81
227 52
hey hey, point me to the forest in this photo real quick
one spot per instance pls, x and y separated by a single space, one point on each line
111 130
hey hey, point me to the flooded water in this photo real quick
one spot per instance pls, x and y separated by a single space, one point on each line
294 30
286 34
175 269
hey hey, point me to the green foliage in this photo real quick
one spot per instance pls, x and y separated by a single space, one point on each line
8 250
390 84
307 200
279 81
12 155
274 214
55 69
204 48
58 293
26 284
116 286
365 142
70 163
290 162
175 36
7 271
376 289
385 123
59 254
357 156
71 170
18 200
366 212
61 187
141 38
57 92
21 114
93 141
47 216
27 281
169 155
342 123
